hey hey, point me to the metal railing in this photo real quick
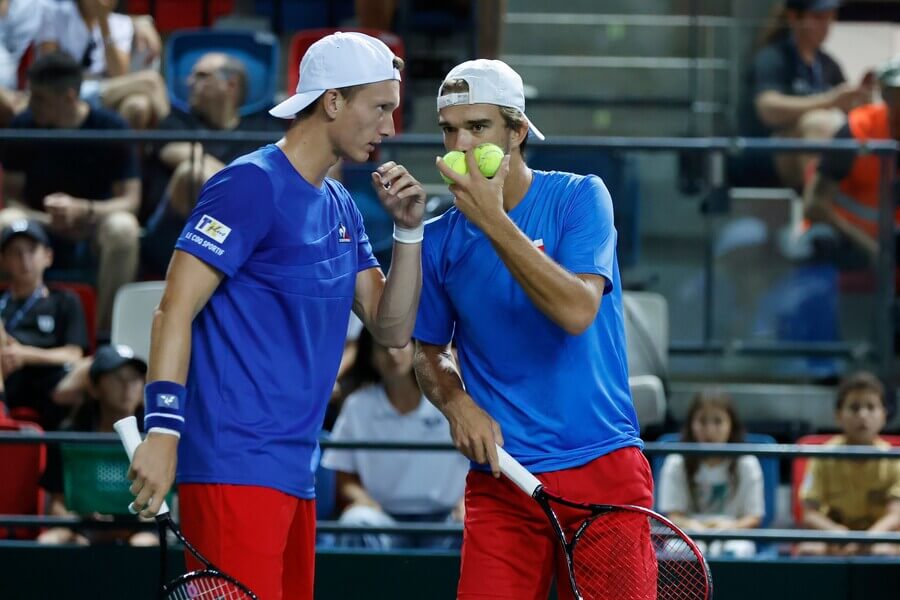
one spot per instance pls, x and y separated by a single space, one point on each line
650 448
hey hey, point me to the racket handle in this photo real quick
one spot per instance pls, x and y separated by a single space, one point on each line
131 438
518 474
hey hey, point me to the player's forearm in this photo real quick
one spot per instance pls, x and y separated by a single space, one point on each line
438 376
560 295
170 344
396 314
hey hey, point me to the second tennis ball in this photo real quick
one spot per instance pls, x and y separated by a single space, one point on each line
488 156
456 160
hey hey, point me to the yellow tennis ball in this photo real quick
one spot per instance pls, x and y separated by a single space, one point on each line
488 156
456 160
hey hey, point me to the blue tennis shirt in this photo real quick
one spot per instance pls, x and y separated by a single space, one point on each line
267 346
561 400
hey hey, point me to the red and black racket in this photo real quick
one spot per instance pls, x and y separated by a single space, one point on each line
209 583
618 551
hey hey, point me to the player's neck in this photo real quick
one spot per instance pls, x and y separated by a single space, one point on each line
309 151
517 183
403 393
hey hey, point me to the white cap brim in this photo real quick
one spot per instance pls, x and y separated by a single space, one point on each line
537 132
290 107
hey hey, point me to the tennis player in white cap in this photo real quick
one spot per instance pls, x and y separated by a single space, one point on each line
249 333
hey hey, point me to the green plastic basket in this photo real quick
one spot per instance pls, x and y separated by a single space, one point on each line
95 479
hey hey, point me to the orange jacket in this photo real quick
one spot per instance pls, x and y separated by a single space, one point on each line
861 187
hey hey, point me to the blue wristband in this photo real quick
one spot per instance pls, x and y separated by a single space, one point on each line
164 405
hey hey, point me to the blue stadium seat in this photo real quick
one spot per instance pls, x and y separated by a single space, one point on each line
769 468
257 50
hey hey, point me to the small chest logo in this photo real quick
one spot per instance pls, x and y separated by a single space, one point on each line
46 323
343 234
539 244
212 228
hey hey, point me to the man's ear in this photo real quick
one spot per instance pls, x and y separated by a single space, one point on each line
332 102
517 136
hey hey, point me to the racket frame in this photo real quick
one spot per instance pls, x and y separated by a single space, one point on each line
128 432
532 486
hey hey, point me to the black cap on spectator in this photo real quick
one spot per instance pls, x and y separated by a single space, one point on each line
24 227
813 5
110 358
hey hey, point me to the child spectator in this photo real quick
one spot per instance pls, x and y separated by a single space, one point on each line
383 487
109 386
854 495
713 492
42 330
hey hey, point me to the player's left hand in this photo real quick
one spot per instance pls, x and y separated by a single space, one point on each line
402 196
479 198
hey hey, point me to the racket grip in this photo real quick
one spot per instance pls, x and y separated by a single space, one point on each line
516 473
131 438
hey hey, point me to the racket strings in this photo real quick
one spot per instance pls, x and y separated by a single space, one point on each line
631 556
208 587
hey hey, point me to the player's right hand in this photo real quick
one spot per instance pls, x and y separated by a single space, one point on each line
474 432
153 472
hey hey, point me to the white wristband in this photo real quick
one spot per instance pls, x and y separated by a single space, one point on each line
164 430
409 236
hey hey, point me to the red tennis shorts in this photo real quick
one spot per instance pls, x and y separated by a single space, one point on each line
510 551
264 538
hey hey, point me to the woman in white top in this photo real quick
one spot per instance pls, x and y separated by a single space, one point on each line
377 488
103 42
713 492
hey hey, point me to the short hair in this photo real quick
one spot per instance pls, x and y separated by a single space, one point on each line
861 381
234 68
347 93
56 70
512 117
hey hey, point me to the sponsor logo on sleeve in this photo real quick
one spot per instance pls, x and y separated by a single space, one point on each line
212 228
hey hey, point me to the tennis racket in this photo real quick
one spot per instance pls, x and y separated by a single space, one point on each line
623 552
209 583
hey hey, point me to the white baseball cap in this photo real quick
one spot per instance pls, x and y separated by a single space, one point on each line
338 60
490 82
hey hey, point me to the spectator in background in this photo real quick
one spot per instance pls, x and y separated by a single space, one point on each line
43 329
104 43
794 90
20 21
379 488
845 191
854 495
218 86
105 387
713 492
86 194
